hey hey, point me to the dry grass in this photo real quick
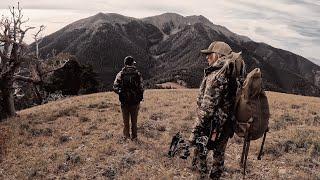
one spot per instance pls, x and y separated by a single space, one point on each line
80 138
4 138
170 85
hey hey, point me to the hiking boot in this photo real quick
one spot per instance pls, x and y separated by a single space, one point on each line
194 166
203 175
203 171
215 174
136 141
123 139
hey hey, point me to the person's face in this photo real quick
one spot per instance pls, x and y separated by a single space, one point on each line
212 58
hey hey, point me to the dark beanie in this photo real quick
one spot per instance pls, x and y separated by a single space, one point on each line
129 61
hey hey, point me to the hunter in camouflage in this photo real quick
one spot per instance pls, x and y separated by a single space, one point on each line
128 84
215 105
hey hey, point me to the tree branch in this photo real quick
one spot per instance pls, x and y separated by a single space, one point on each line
4 57
23 32
38 39
57 68
25 79
10 70
41 28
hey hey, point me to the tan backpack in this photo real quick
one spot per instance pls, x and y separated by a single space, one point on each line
252 113
251 105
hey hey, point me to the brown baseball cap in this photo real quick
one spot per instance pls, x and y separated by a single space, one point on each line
218 47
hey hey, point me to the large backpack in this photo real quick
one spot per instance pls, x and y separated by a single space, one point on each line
131 92
251 104
252 113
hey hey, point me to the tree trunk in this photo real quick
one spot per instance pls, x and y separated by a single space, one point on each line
37 49
8 100
38 94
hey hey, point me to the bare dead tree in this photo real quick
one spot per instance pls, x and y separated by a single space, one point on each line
13 51
38 37
38 71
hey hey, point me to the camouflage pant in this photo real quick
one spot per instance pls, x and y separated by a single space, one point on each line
218 159
130 112
218 147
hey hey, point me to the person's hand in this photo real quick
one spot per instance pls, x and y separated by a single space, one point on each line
214 135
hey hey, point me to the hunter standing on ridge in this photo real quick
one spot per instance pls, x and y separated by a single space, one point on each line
215 104
128 85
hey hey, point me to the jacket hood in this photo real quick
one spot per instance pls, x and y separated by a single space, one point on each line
215 66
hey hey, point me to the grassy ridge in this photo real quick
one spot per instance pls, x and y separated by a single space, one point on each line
81 137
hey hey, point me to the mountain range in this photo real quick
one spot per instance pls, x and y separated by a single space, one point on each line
167 49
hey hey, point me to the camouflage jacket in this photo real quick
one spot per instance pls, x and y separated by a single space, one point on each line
217 94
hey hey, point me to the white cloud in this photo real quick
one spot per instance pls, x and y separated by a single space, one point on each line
293 25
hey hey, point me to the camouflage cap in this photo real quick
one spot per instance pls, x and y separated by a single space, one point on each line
218 47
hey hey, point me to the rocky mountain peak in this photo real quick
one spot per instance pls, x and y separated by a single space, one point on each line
96 20
167 49
170 23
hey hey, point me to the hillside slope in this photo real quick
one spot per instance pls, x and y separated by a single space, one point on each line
167 48
80 137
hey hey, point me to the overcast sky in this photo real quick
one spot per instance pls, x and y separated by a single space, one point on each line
292 25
